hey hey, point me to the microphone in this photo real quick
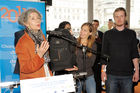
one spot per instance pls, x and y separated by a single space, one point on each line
54 33
80 74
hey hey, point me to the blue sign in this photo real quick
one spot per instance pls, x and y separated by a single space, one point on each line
9 13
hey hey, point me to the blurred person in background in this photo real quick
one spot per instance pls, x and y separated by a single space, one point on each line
97 65
111 24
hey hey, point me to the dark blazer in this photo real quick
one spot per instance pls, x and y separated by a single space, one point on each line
97 66
100 34
18 35
99 45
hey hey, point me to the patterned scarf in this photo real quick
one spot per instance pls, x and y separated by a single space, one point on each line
37 37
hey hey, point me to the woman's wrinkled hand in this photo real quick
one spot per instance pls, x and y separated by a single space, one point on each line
42 49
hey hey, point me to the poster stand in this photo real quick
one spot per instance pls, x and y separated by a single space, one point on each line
10 85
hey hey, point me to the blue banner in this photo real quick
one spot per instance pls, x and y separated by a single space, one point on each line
9 13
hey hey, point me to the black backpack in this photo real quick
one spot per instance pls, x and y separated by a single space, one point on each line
61 51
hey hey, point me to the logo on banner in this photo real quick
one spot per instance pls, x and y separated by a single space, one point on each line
8 12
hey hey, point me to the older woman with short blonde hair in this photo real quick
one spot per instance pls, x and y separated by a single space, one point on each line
32 47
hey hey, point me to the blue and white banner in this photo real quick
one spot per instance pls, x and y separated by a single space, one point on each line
9 13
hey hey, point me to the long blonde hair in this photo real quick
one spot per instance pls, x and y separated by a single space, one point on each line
91 38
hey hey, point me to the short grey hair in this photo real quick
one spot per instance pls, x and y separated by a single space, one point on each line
23 18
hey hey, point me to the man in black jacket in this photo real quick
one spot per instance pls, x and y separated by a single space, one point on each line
18 35
120 44
97 65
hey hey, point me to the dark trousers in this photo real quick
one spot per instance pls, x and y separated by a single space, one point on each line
119 84
97 76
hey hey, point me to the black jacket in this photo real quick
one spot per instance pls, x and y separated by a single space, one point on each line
18 35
